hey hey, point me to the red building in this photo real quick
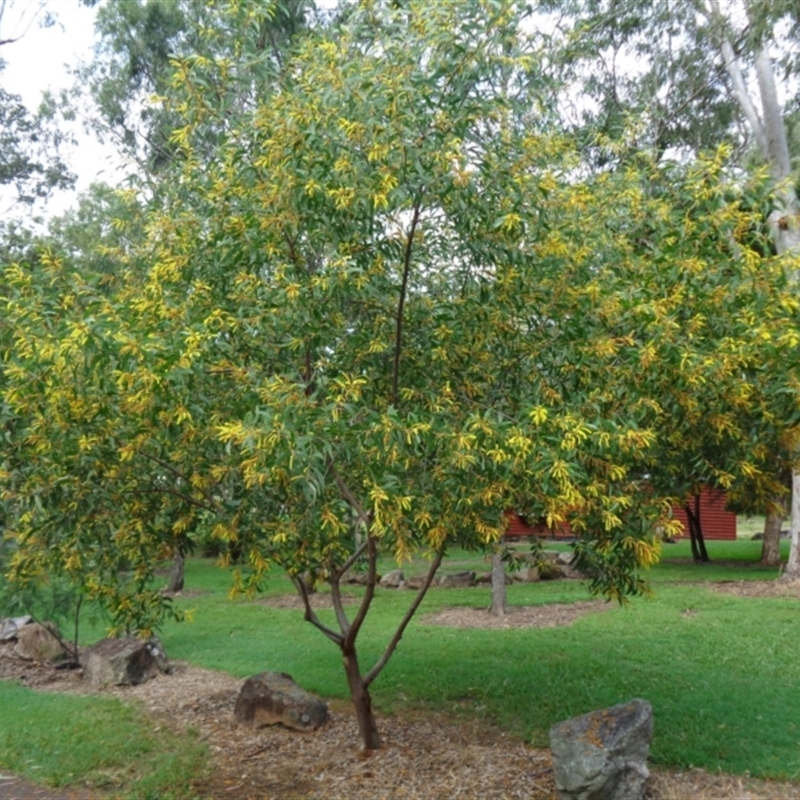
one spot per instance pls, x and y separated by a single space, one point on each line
715 520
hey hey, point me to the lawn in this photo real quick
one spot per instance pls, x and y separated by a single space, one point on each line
720 670
61 740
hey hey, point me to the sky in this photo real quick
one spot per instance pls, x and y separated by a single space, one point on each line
40 61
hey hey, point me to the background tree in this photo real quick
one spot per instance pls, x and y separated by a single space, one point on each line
31 166
678 78
141 41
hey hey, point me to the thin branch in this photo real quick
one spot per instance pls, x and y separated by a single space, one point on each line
349 496
36 13
336 598
366 601
311 617
175 471
392 646
353 558
398 335
176 493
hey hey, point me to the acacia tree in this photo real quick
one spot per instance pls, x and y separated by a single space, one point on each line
679 77
390 307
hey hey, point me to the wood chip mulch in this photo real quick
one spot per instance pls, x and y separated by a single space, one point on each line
774 588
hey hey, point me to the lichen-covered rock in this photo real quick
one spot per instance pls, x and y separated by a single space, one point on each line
602 755
125 661
10 625
459 580
272 698
527 574
393 580
36 642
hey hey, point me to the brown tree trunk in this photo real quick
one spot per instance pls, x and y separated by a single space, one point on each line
499 604
175 583
362 700
771 543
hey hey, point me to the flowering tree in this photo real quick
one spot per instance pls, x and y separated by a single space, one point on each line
390 307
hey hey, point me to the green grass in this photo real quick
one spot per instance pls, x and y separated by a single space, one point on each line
62 740
720 670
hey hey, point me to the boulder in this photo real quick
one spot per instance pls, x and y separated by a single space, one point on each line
526 575
10 625
37 642
414 582
393 580
459 580
270 698
564 558
353 578
550 571
484 578
602 755
125 661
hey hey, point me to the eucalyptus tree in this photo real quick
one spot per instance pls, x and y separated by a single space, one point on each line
31 165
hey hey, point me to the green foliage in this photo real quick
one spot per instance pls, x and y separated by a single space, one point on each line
386 305
29 142
31 166
654 75
142 41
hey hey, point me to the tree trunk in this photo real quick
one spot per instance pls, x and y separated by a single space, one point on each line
499 604
771 543
175 583
792 570
362 700
699 552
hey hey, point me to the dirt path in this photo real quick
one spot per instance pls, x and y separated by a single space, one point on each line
12 787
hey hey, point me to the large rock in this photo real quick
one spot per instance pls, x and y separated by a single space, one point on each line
526 575
394 579
602 755
485 578
353 578
36 642
459 580
10 625
121 662
271 698
414 582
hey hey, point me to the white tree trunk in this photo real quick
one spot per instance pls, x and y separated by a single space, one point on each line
793 565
